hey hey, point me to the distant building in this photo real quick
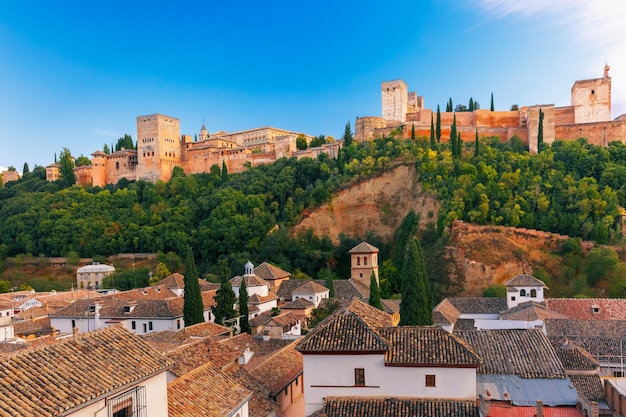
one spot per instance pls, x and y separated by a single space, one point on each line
8 176
92 276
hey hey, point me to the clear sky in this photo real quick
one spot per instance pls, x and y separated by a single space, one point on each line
77 74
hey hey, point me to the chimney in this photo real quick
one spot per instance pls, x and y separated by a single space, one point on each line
594 409
539 408
75 331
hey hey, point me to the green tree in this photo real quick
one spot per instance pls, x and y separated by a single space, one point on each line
438 125
413 130
322 311
492 106
66 169
471 104
432 132
374 299
243 308
193 309
317 141
453 139
347 136
82 161
600 263
25 170
514 107
5 286
106 149
161 272
224 172
476 144
495 290
540 131
416 298
328 283
449 107
301 144
225 296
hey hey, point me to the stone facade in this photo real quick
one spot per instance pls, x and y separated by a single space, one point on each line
588 116
9 176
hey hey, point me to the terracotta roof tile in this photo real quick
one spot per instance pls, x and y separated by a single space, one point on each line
260 299
445 313
530 311
251 281
589 387
387 407
191 356
55 378
573 357
175 280
279 369
270 272
363 247
205 391
478 305
604 340
310 287
412 345
260 405
525 353
298 304
261 319
525 280
589 308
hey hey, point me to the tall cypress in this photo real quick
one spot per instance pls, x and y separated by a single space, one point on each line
416 298
471 104
193 308
432 132
540 131
224 172
438 126
374 299
476 144
243 307
449 106
459 144
328 283
347 135
453 137
413 131
224 297
492 107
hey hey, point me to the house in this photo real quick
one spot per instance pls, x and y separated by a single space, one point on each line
300 308
524 288
273 275
519 367
311 291
207 391
357 353
92 276
7 330
260 299
110 372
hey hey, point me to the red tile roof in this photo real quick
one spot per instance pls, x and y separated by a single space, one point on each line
589 308
270 272
280 369
396 407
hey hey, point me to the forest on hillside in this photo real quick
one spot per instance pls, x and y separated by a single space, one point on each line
572 188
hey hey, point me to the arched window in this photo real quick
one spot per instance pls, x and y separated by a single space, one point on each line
522 293
533 293
117 165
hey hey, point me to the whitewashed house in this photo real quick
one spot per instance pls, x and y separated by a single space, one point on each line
311 291
260 298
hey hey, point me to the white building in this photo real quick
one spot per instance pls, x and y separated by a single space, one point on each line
260 298
91 276
311 291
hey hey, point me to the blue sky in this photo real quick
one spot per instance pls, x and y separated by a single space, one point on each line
77 74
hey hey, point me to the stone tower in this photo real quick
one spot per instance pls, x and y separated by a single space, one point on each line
395 97
204 133
158 147
591 99
364 261
98 169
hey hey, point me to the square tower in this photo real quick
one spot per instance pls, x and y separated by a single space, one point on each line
159 147
364 261
591 99
395 96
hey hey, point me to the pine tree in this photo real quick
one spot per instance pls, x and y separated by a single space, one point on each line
540 131
413 130
224 172
438 126
476 144
374 299
193 309
224 297
492 107
243 308
432 132
347 135
416 299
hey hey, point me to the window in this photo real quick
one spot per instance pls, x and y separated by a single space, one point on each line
595 309
131 403
618 374
145 328
430 381
513 298
73 324
364 260
522 293
533 293
178 324
150 325
133 325
358 260
359 377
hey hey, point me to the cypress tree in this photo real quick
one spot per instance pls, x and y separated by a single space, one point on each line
540 131
438 126
347 135
192 308
453 137
243 307
224 297
328 283
459 145
432 132
413 130
449 106
416 299
492 107
476 144
471 104
224 172
374 299
25 169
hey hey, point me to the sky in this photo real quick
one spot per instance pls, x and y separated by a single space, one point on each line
77 74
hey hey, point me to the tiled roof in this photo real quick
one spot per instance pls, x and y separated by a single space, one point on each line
260 405
270 272
445 313
525 280
298 304
583 308
391 306
589 386
37 328
52 379
260 347
283 320
411 345
363 247
260 299
478 305
153 293
530 311
351 328
289 286
191 356
396 407
205 391
251 281
261 319
464 324
573 357
206 329
604 340
526 353
279 369
175 280
310 287
169 340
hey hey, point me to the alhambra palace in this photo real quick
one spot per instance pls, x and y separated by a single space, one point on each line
161 147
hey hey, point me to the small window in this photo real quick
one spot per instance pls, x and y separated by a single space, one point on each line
364 260
359 377
595 309
150 325
178 324
73 324
358 260
145 328
133 325
522 293
533 293
430 381
593 91
513 298
618 374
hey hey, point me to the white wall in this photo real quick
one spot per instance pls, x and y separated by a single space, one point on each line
64 324
507 324
333 375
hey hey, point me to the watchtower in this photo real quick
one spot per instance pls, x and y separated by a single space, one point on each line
394 100
364 261
158 147
591 99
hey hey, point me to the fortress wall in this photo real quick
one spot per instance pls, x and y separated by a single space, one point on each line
366 127
592 100
564 115
497 119
601 133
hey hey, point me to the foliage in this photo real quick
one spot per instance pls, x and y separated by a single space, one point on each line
224 309
325 309
82 161
328 283
243 308
317 141
124 280
347 135
600 263
5 286
125 142
495 290
193 308
492 108
301 144
25 169
374 299
438 125
67 178
416 302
